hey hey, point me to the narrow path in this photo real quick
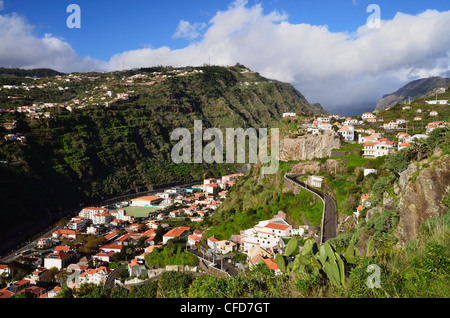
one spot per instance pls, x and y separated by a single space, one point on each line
329 217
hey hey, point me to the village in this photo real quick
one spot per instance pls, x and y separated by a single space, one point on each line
117 230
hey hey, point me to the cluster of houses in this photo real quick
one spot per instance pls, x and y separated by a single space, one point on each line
260 243
119 229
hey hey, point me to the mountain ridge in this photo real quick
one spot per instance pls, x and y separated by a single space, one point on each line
412 90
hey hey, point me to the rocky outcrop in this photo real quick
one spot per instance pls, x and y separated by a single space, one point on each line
421 195
331 166
309 146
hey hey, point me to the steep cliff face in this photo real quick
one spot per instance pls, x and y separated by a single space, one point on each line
308 147
420 197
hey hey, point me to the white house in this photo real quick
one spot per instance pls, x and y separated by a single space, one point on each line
76 223
315 181
266 234
347 132
324 126
437 102
289 115
212 242
375 149
89 212
102 218
59 259
95 276
323 120
180 232
368 115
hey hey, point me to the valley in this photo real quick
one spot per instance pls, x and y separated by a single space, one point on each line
377 187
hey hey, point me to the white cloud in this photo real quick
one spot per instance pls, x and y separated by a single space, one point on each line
188 30
19 47
328 67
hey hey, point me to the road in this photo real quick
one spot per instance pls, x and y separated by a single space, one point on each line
329 222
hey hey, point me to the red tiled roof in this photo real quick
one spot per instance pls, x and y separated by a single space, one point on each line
176 231
277 226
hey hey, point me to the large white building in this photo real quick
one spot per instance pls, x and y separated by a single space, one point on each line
95 276
375 149
368 115
266 234
89 212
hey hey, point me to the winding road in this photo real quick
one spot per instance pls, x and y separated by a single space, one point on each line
329 218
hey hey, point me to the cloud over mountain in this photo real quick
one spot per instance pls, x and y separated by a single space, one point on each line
329 67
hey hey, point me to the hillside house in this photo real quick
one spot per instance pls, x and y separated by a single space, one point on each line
267 234
89 212
375 149
95 276
433 113
180 232
212 242
437 102
347 132
225 247
66 233
16 287
59 259
403 145
315 181
77 223
368 115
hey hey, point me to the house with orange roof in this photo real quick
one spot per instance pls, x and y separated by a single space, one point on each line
59 259
180 232
95 276
17 286
5 293
403 145
151 200
212 241
51 293
194 240
103 256
364 199
347 132
267 234
272 265
112 247
66 233
89 212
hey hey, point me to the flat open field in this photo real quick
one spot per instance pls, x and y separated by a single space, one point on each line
140 211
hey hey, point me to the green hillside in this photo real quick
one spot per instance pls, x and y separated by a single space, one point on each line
93 142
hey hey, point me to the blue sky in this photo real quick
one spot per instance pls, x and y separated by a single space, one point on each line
113 26
310 44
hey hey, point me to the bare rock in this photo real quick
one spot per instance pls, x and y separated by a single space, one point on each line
421 198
